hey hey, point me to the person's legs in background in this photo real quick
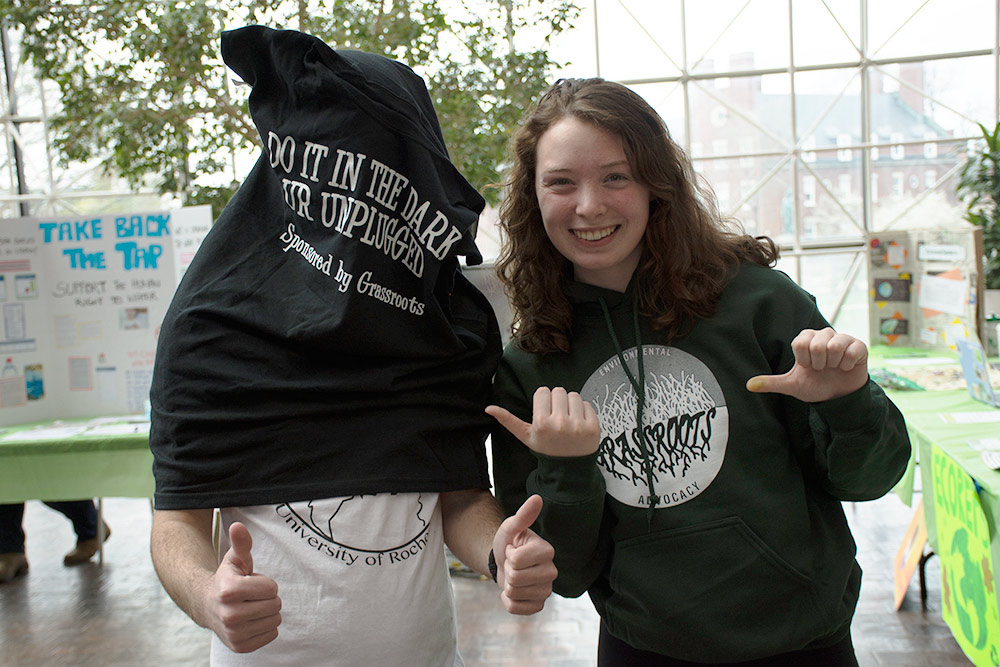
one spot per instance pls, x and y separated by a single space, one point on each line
83 514
12 560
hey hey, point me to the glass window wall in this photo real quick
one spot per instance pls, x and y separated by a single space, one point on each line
815 121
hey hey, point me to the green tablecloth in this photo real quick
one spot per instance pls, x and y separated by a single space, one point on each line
926 413
76 458
941 425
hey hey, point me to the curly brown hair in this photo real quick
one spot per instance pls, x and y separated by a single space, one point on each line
688 248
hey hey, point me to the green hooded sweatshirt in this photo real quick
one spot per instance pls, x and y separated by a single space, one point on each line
717 536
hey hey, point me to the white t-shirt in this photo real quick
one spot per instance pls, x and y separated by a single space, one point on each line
363 580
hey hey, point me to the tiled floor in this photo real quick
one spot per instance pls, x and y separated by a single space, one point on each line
118 615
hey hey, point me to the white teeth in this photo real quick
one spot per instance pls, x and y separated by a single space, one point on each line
594 234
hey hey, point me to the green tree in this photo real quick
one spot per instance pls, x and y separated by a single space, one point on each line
144 91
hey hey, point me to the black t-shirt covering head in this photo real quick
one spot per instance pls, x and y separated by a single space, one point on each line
324 341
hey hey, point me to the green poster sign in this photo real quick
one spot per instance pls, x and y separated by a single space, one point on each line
968 598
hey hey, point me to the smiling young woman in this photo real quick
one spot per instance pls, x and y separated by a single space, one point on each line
689 417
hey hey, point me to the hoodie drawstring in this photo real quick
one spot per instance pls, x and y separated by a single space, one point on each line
640 389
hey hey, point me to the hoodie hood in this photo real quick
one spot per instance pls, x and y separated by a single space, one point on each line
586 298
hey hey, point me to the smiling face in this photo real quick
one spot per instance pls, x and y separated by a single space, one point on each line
593 210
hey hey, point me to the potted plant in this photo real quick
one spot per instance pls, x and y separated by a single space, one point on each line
979 189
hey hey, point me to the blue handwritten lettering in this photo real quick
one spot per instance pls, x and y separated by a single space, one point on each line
78 259
71 231
136 225
136 257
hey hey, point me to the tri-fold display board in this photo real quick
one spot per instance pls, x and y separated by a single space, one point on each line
82 300
926 286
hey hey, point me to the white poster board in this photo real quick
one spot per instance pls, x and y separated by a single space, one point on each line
82 300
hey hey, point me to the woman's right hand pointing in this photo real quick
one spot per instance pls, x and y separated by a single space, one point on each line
562 424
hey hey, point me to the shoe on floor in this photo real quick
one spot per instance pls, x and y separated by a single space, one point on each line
85 549
12 565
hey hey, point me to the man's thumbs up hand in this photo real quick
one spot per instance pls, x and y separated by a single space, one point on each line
244 607
525 570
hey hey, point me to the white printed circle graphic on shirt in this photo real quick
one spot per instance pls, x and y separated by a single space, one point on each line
685 424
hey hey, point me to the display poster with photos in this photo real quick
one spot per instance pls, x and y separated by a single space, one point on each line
924 286
82 300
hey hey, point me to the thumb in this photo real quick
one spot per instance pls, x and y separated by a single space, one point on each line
775 384
517 427
239 552
513 526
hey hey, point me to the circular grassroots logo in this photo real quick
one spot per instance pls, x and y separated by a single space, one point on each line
685 426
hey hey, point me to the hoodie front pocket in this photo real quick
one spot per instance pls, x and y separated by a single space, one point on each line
714 592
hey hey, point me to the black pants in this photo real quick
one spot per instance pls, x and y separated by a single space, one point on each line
613 652
82 513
